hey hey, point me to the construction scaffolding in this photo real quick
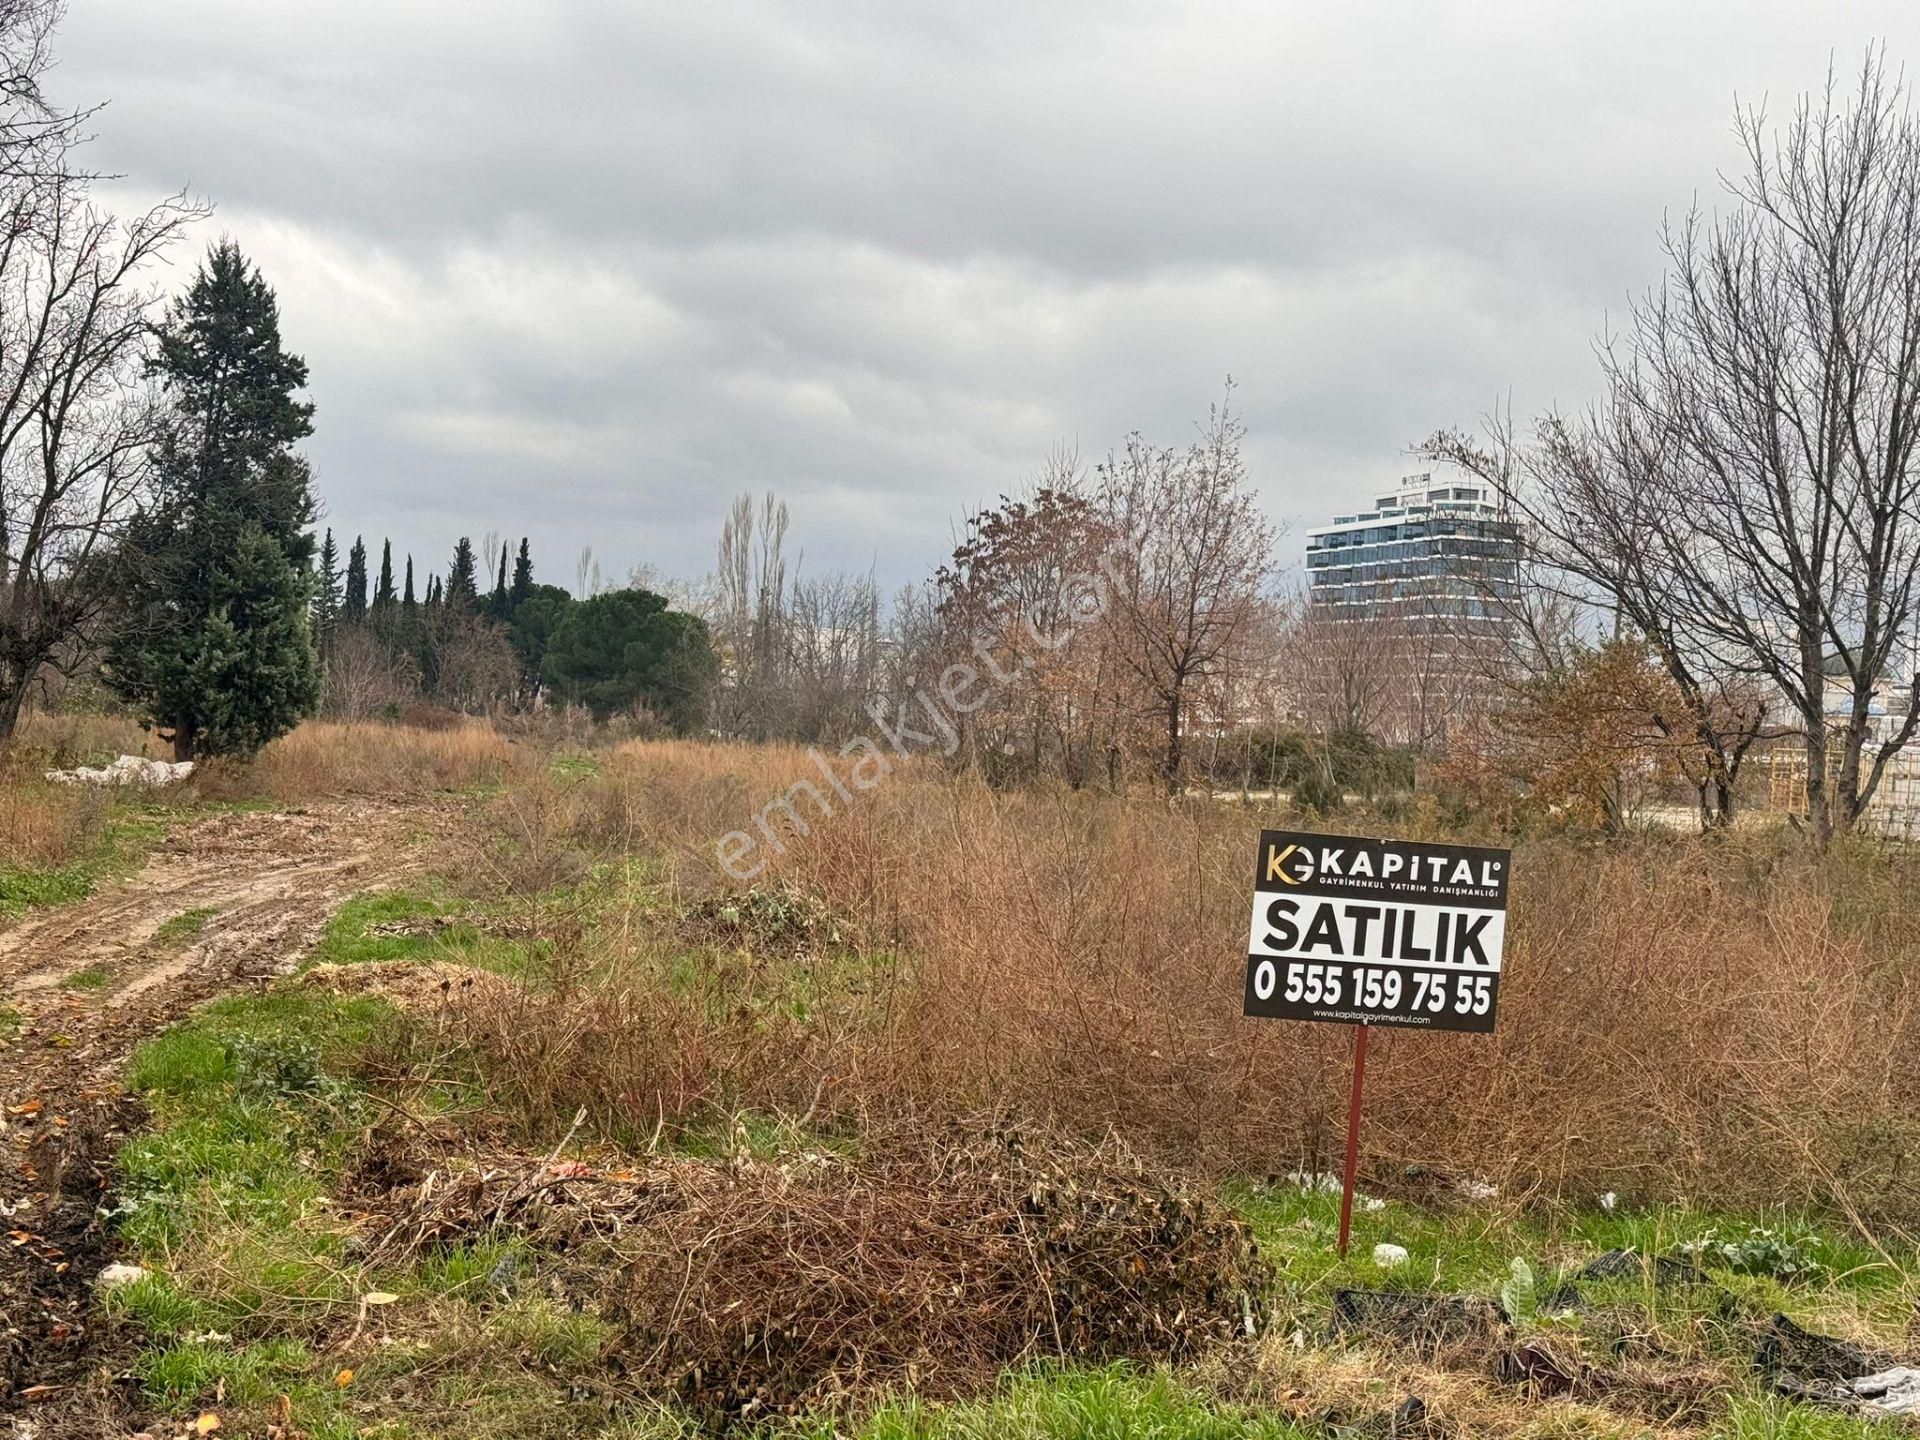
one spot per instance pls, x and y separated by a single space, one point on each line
1894 811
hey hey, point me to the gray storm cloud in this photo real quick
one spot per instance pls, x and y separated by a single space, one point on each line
586 270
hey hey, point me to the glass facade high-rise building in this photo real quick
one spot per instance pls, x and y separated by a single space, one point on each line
1410 608
1435 557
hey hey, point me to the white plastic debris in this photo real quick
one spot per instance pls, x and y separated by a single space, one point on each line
1893 1392
1478 1191
1388 1256
1608 1201
1314 1184
127 770
118 1276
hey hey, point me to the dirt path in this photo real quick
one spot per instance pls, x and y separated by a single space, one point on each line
89 981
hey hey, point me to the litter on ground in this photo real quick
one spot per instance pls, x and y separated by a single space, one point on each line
127 770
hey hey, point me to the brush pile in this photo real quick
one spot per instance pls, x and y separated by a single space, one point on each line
753 1288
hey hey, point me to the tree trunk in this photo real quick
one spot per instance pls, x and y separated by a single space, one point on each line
11 704
1175 746
1819 808
183 738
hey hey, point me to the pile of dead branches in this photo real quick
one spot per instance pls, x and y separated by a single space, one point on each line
752 1288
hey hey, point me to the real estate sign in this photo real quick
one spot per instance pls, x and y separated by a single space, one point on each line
1376 932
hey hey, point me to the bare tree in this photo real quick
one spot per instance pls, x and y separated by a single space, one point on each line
37 138
1349 672
1018 601
1771 391
749 615
77 413
1596 493
1191 559
365 677
833 655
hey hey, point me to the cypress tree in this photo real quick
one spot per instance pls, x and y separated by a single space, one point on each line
497 601
326 591
216 639
353 604
409 605
462 589
522 585
383 596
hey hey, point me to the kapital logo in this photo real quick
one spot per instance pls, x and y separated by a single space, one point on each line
1277 868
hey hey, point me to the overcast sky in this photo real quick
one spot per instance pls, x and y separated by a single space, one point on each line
586 270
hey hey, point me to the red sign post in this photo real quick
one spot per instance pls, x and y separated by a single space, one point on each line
1353 1135
1364 932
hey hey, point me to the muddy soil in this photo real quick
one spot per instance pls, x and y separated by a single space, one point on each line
89 981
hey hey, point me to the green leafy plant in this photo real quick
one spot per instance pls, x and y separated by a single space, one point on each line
1519 1295
1756 1250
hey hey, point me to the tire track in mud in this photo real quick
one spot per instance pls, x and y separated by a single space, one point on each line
270 882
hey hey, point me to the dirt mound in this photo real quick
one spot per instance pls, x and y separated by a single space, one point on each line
411 985
754 1288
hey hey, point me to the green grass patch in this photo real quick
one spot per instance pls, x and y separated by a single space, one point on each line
249 1114
1769 1417
94 977
1754 1265
246 1375
1106 1403
397 925
185 925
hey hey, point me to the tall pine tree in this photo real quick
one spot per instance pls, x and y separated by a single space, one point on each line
216 641
463 578
522 585
326 591
353 605
383 595
497 601
409 606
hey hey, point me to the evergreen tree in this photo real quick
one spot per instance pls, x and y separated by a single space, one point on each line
522 585
219 567
326 591
535 618
433 592
383 596
250 672
409 607
497 601
626 648
353 605
462 589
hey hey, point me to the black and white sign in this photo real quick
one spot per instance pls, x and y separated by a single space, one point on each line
1381 932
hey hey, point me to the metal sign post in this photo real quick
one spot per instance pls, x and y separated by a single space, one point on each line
1364 932
1353 1135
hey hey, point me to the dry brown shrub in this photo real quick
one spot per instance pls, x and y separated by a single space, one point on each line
648 1053
61 741
1732 1022
1338 1387
43 825
936 1256
326 758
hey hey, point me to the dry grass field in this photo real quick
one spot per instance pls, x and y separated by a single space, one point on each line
946 1124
